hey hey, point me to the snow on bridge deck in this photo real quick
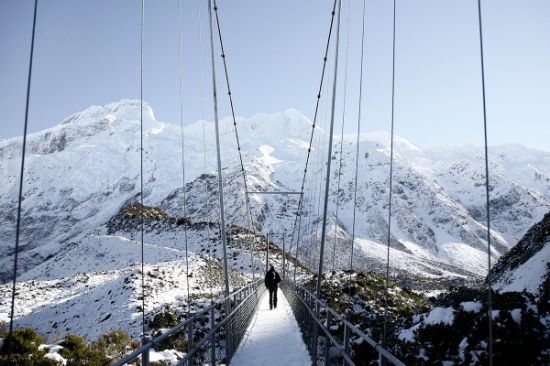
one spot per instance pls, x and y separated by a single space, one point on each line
273 338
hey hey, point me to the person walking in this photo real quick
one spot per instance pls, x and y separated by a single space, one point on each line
272 280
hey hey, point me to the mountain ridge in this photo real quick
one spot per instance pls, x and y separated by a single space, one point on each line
81 172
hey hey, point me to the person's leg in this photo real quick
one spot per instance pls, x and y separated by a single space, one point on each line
270 298
275 297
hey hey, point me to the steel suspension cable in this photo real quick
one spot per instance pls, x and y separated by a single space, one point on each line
316 184
329 156
243 171
386 295
300 203
218 153
298 237
341 140
141 170
357 145
316 181
315 188
319 172
22 170
489 286
310 197
180 19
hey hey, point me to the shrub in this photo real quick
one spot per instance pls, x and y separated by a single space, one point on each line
26 360
440 341
77 353
21 349
364 355
177 341
514 344
113 344
166 319
22 341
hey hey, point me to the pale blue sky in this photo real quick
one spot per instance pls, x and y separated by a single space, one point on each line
87 52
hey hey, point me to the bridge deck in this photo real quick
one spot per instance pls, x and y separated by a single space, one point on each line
273 338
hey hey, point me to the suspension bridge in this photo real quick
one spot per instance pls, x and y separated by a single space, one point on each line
238 328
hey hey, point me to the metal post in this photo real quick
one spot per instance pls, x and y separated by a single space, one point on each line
267 255
252 257
284 251
227 326
190 341
346 342
315 332
145 356
327 339
298 236
213 337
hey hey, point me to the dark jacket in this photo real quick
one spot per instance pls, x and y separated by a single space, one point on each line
272 279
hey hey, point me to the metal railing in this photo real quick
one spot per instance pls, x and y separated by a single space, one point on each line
329 337
211 335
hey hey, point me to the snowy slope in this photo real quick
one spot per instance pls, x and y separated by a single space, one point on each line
94 284
527 266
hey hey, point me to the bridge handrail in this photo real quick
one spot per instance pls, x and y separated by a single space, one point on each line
342 348
216 328
145 348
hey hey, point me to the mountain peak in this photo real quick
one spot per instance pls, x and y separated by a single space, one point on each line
123 109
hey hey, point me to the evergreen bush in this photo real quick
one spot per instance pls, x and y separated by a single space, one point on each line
166 319
21 349
77 353
113 344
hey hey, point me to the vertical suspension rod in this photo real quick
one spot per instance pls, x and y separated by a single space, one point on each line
390 198
141 171
359 114
298 237
489 286
301 202
336 241
218 153
243 171
329 156
180 18
23 148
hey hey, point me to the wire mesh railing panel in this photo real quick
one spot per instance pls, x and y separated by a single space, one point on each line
242 312
329 337
301 313
210 336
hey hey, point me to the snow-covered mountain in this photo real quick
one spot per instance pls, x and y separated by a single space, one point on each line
79 245
82 172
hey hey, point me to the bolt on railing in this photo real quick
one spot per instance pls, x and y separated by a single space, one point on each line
212 334
328 337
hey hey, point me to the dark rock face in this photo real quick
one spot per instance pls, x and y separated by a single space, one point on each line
532 242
